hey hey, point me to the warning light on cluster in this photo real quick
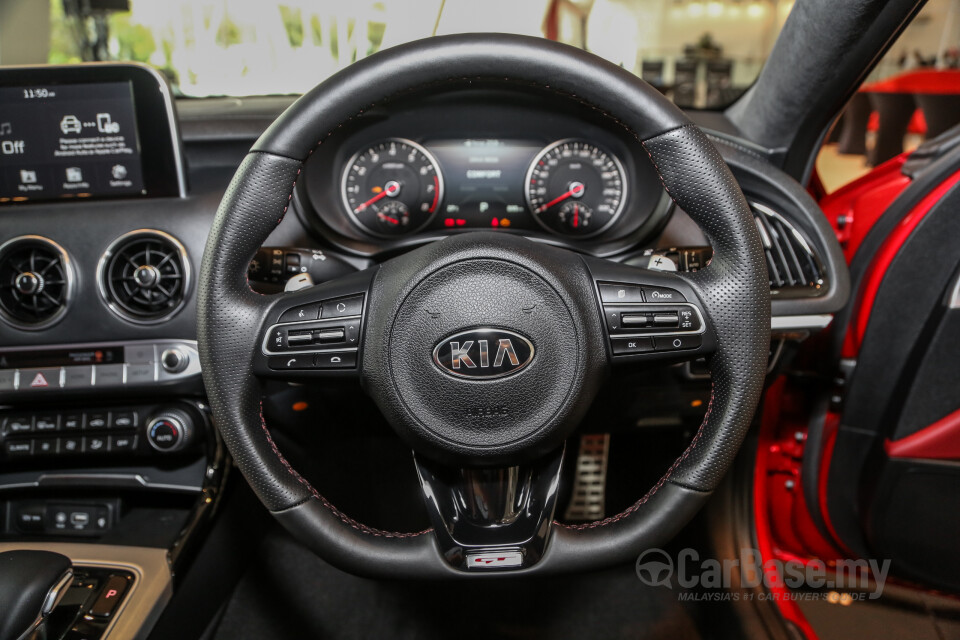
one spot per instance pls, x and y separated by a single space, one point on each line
500 222
454 222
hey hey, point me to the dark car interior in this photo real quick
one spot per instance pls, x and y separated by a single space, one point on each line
465 339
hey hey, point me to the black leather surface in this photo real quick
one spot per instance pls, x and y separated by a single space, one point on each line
735 290
230 316
434 63
26 577
734 287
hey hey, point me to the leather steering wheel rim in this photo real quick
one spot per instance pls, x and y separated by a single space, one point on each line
734 287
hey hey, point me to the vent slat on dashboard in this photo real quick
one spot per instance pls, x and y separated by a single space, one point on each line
144 276
35 282
793 266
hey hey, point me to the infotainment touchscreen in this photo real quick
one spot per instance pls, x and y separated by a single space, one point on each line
69 141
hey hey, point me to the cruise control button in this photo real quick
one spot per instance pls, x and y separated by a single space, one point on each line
623 346
342 307
662 294
666 320
676 343
612 292
279 363
633 320
298 314
17 424
343 360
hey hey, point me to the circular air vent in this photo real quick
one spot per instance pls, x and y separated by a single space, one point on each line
36 282
145 276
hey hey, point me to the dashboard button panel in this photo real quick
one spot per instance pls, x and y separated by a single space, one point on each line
118 430
140 367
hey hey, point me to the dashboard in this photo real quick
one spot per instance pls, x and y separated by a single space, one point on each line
103 414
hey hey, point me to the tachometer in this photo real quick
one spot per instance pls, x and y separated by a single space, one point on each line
392 187
574 187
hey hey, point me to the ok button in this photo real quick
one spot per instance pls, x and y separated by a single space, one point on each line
624 346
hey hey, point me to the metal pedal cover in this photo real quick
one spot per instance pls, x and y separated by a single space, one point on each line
588 498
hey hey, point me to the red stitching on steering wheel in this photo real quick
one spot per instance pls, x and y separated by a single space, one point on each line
639 503
326 503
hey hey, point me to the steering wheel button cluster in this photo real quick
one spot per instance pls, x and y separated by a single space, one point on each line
342 308
301 313
675 343
612 292
662 294
338 360
623 346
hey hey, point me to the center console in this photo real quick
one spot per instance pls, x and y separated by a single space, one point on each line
108 455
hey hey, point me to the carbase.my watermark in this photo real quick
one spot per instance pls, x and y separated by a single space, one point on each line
655 567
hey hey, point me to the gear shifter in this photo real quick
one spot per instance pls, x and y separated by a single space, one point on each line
31 585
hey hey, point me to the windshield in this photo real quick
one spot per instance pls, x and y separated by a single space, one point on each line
700 53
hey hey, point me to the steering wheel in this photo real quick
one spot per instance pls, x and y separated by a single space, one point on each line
484 350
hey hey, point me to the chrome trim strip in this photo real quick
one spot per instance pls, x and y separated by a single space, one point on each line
68 274
795 323
148 595
953 300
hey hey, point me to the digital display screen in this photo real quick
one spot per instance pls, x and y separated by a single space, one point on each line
484 182
60 357
69 141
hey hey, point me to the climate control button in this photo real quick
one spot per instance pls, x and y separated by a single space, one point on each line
169 431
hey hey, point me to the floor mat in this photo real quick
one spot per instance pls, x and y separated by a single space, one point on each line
289 593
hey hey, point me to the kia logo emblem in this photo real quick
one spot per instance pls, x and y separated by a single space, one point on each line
483 353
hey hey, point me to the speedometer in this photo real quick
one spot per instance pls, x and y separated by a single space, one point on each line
392 187
574 187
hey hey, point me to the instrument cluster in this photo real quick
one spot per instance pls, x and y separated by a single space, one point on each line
410 173
396 186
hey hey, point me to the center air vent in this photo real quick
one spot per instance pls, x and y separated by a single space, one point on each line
36 282
145 276
795 269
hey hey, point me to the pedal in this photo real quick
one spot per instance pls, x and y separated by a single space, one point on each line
588 498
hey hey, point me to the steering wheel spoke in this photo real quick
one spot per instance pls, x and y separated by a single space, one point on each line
315 332
650 315
491 519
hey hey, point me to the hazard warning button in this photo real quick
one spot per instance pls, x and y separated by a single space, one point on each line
38 379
